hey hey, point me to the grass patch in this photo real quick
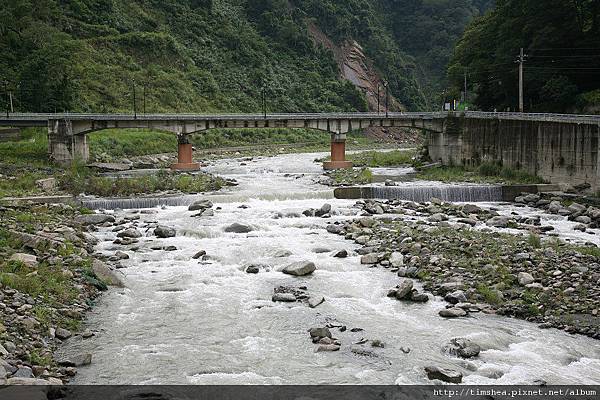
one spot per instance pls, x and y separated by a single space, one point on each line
485 173
373 159
43 281
112 143
351 176
80 179
490 295
534 240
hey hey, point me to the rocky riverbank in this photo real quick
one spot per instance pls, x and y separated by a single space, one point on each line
49 278
454 252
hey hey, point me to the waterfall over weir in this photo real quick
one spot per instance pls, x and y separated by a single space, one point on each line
454 193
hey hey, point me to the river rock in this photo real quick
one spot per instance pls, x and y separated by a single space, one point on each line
162 231
23 372
525 278
27 259
442 374
78 360
120 255
238 228
319 332
199 254
396 259
341 254
300 268
325 209
500 221
62 333
332 228
283 297
371 258
282 253
314 301
200 205
94 219
453 312
458 296
327 347
438 217
131 233
252 269
419 297
404 289
106 274
463 348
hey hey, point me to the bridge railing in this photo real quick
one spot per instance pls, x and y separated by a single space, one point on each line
534 116
41 117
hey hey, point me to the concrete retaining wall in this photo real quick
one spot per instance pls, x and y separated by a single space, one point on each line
559 152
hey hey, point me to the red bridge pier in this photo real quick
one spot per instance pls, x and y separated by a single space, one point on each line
185 160
338 153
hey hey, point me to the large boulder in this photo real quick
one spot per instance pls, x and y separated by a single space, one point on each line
300 268
162 231
238 228
27 259
129 233
500 221
319 332
458 296
404 289
442 374
525 278
106 274
396 259
453 312
200 205
463 348
94 219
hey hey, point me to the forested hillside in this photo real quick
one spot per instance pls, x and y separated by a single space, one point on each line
562 64
219 55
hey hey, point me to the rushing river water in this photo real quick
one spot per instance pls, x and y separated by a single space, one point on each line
179 321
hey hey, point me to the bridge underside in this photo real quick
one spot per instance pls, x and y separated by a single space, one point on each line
67 138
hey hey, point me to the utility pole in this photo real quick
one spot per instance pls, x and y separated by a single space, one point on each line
264 101
7 100
134 102
387 98
465 89
12 110
378 89
144 99
521 61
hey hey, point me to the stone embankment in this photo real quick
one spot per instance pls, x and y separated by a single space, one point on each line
457 252
49 278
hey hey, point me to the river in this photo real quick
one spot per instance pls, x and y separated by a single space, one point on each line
181 321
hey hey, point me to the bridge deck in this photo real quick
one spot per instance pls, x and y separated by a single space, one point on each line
41 119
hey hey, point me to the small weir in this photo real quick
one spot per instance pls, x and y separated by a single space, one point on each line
456 193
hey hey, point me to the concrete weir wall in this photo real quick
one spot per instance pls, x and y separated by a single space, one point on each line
559 152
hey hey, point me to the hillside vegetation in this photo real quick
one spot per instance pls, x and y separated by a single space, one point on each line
562 46
220 55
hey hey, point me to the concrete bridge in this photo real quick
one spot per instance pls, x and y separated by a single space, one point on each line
67 132
561 148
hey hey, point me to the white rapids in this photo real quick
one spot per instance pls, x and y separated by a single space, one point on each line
182 322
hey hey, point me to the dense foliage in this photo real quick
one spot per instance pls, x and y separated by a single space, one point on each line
219 55
562 45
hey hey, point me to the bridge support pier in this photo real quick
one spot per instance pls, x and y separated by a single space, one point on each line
338 153
64 146
185 160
